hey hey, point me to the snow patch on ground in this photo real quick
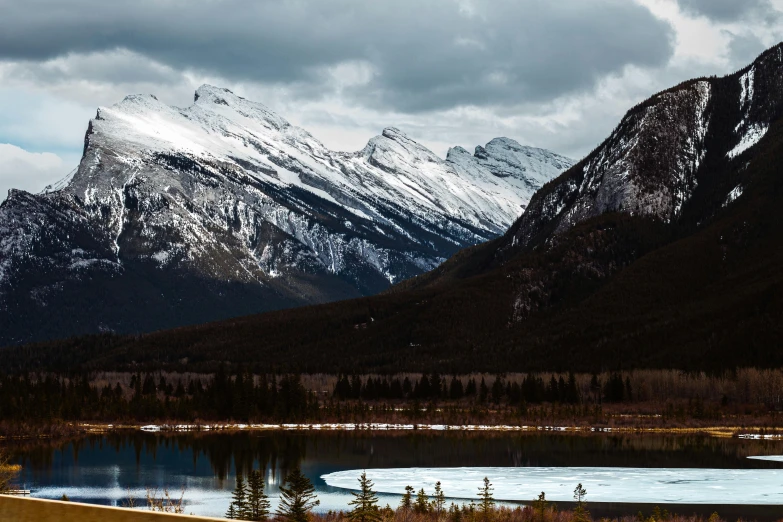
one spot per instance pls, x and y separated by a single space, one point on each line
162 257
734 194
371 426
751 137
747 84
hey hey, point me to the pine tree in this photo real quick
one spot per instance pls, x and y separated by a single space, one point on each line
407 498
422 505
387 513
486 500
573 390
595 387
483 391
540 505
497 390
455 389
238 509
365 502
455 513
297 498
579 495
257 501
580 513
439 499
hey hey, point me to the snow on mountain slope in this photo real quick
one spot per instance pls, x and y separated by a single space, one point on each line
508 171
197 203
223 127
647 165
655 160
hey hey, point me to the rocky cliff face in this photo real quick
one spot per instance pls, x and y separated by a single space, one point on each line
177 216
662 151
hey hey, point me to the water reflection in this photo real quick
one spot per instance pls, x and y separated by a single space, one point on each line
107 469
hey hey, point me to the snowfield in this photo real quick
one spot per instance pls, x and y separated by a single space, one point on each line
632 485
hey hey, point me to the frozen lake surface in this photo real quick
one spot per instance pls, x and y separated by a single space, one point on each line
691 470
627 485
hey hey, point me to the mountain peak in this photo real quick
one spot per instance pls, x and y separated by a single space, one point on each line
775 50
456 151
223 101
393 133
211 94
135 103
505 157
506 142
653 163
393 148
131 98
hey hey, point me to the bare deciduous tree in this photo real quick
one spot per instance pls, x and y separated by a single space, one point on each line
8 472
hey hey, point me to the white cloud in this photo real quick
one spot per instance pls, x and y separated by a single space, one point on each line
45 103
705 43
29 171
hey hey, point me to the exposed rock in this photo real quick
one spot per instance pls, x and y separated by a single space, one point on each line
182 215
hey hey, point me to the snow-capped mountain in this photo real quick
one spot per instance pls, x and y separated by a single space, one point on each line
663 150
182 215
662 248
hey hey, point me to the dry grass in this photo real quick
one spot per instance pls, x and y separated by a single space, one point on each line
533 513
159 502
8 472
164 502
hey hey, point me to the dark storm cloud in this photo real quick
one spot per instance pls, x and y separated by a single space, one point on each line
424 55
726 10
112 67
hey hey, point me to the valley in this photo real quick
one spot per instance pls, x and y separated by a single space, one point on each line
214 295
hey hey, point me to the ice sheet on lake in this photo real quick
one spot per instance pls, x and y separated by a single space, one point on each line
632 485
771 458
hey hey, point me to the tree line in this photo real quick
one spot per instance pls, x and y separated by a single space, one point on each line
44 399
245 397
218 397
534 389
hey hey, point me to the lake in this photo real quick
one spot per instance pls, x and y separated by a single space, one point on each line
622 473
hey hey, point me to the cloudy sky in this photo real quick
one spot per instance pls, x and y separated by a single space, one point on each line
554 74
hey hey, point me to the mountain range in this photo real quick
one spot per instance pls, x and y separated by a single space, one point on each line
180 216
663 247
